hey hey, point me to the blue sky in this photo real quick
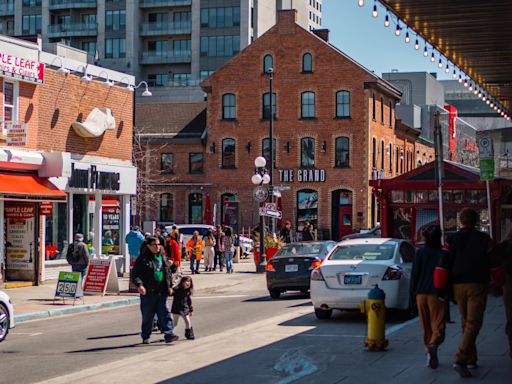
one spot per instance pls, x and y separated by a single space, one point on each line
364 38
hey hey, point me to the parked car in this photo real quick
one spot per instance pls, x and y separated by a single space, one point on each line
355 266
6 315
375 232
290 268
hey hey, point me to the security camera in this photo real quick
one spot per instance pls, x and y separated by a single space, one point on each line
270 70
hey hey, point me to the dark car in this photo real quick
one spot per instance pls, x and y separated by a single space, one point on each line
290 268
375 232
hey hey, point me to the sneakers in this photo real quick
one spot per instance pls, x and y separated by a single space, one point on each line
197 272
189 334
232 270
171 338
428 360
145 341
432 351
463 371
472 365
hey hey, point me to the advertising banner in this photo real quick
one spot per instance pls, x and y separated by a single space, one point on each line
21 244
69 285
101 277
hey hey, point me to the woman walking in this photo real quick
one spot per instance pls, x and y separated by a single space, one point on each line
209 250
229 249
172 251
195 251
182 305
431 306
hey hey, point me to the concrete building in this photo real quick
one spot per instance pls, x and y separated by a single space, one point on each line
171 44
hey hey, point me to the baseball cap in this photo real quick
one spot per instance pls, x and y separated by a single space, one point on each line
287 223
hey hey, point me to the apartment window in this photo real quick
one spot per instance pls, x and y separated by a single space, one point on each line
89 47
373 98
382 161
220 46
10 102
390 158
228 107
89 19
266 150
205 74
307 63
266 105
220 17
181 79
320 22
182 16
374 153
228 153
115 20
159 47
343 104
236 16
308 105
115 48
196 163
204 18
31 24
381 110
341 156
166 207
307 152
166 164
181 47
158 17
309 15
267 63
158 81
31 3
390 114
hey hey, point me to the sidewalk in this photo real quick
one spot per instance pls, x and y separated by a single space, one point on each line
296 347
37 301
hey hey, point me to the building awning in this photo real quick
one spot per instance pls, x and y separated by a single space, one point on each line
29 187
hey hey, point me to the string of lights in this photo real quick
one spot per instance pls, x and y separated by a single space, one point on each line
478 89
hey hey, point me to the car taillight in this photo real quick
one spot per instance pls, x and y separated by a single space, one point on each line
393 273
270 268
316 274
315 264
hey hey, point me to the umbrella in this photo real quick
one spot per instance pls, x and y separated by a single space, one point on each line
208 211
279 208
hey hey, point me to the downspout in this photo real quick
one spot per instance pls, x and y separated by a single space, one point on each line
384 219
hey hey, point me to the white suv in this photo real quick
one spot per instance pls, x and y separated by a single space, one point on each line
6 315
187 230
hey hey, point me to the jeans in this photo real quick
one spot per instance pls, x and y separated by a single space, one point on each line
79 268
228 256
151 305
192 259
218 255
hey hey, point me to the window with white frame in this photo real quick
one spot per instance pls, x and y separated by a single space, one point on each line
11 91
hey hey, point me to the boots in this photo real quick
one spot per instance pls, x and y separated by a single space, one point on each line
189 334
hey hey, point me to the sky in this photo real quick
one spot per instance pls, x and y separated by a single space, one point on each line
357 33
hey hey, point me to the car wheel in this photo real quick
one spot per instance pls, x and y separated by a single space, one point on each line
275 294
4 322
323 314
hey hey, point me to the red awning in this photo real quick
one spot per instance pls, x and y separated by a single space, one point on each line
29 186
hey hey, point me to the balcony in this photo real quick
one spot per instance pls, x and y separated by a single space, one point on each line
7 32
159 57
159 29
7 9
163 3
69 30
67 4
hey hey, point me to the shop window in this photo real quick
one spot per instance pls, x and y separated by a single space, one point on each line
307 158
195 208
381 110
307 208
374 153
166 165
266 150
266 106
196 163
433 196
447 197
228 107
56 232
401 223
342 155
111 229
472 197
267 63
458 197
307 63
422 197
308 105
166 207
228 153
343 104
482 197
397 196
11 92
410 196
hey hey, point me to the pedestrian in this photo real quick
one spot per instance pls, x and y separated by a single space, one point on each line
163 231
466 265
285 232
143 246
312 232
306 234
219 247
209 250
172 251
175 233
195 248
182 305
78 255
134 239
158 233
229 249
431 306
152 276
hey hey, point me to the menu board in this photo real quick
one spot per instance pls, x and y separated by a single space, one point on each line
21 245
101 277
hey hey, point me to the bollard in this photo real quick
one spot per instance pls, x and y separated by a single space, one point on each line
375 311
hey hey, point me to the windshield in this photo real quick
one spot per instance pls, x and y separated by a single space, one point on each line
363 252
190 231
299 249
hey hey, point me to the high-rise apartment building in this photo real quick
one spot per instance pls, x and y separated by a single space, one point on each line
171 44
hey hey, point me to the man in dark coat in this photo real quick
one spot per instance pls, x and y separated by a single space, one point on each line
306 234
285 232
152 276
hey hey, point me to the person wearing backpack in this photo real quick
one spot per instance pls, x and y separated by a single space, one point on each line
78 255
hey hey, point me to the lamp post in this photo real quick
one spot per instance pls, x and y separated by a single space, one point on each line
261 177
270 71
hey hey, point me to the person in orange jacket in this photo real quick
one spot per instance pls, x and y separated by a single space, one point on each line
195 251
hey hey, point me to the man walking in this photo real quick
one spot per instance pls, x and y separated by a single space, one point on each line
78 255
219 247
134 239
285 232
465 264
306 234
152 276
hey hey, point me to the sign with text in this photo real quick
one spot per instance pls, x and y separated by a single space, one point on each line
485 149
486 169
21 69
21 244
302 175
101 277
69 285
16 134
46 208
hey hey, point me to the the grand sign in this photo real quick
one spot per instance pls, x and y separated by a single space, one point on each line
21 69
93 179
302 175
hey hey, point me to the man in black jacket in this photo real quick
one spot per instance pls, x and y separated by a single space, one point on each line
152 276
285 232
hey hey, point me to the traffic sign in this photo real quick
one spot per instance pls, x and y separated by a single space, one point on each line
486 169
260 194
271 206
276 214
263 211
282 187
485 149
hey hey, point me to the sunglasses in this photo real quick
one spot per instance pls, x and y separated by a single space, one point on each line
155 244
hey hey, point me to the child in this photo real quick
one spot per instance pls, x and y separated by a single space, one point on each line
182 305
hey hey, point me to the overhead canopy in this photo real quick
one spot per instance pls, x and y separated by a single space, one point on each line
29 187
473 34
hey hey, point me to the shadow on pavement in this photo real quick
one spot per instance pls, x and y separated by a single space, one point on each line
156 343
284 297
113 336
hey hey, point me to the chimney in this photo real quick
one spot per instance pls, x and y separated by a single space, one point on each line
322 33
286 22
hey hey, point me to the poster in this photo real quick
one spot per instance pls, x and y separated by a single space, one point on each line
97 275
21 246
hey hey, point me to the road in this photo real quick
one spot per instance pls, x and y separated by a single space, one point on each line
42 349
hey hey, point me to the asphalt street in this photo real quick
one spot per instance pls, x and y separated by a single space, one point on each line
42 349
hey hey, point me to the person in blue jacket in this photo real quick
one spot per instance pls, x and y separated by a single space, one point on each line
134 239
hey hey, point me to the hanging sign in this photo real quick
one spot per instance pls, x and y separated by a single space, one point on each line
16 134
46 208
260 194
101 277
21 245
21 69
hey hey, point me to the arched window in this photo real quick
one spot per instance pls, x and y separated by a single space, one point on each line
374 116
381 110
266 105
195 208
307 152
382 155
228 153
308 104
390 158
266 150
307 63
343 104
374 153
166 207
342 154
267 63
228 107
407 161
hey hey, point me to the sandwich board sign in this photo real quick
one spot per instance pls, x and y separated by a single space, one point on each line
101 277
69 285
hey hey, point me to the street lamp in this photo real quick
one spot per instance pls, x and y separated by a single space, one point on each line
261 177
270 71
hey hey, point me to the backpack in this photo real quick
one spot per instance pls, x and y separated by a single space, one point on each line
72 256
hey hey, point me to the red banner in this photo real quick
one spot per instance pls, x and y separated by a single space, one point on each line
97 275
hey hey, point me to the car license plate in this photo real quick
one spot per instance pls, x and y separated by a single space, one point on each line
353 279
291 268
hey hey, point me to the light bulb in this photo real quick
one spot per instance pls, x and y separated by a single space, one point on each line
407 39
484 98
492 104
375 13
266 178
447 70
499 110
361 3
466 82
508 118
440 65
386 23
425 52
416 46
488 102
432 59
471 86
502 113
495 107
454 74
475 91
397 32
460 78
256 179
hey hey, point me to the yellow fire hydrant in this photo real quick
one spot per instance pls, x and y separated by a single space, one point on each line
375 311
